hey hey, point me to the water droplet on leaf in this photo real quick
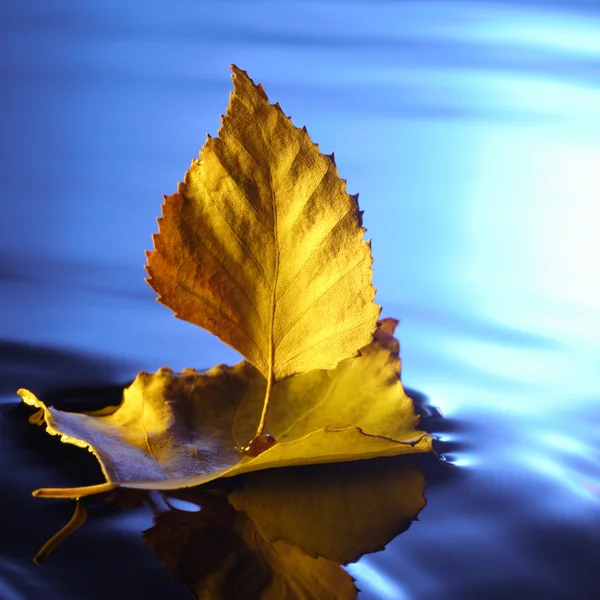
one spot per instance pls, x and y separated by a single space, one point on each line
258 445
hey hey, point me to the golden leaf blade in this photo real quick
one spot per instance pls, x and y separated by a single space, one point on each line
263 247
181 430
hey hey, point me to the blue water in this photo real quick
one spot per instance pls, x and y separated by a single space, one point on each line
471 131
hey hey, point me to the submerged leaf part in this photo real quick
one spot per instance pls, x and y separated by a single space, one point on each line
181 430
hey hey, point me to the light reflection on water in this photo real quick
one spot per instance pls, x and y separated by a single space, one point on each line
372 580
471 130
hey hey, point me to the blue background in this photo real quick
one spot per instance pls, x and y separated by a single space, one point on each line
471 131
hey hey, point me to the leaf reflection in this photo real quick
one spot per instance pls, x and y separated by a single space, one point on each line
284 533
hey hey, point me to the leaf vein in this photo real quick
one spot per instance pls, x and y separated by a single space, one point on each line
143 426
338 333
239 238
336 282
276 272
310 197
237 284
323 399
241 190
311 254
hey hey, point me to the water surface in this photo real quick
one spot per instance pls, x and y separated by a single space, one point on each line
471 131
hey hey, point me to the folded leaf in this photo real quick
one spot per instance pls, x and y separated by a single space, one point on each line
173 431
263 247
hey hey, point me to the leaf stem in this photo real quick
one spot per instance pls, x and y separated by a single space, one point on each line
76 521
270 377
78 492
263 416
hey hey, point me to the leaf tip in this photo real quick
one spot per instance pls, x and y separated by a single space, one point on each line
29 398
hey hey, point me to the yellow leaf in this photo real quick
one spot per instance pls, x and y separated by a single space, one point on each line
173 431
263 247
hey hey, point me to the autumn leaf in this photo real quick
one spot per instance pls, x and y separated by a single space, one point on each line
180 430
263 247
218 554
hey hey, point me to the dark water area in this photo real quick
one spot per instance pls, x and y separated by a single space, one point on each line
471 131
